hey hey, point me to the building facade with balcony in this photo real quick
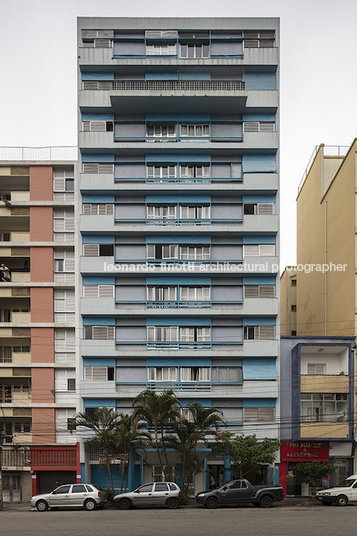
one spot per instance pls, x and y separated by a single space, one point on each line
178 220
38 391
317 401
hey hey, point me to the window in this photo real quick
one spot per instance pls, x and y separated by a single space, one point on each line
63 184
293 282
195 334
324 407
197 253
293 333
97 126
98 250
259 39
259 414
293 307
61 490
259 333
195 374
98 374
162 333
6 354
71 384
161 131
227 374
162 251
79 488
161 212
195 293
98 291
259 291
259 126
259 250
99 333
261 209
317 368
161 487
186 414
162 374
160 172
201 212
194 172
191 50
100 167
161 49
193 131
161 476
161 293
101 209
63 260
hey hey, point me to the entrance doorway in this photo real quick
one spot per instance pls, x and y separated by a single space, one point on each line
11 487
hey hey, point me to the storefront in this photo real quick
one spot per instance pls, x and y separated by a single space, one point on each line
294 452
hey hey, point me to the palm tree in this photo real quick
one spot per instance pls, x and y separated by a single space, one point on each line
102 424
159 411
201 423
128 433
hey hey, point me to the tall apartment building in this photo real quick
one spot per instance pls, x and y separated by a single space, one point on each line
288 304
38 394
178 203
326 237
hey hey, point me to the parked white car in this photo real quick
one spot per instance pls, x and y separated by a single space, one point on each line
341 494
150 494
88 496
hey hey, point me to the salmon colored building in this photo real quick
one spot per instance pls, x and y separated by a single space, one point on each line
37 322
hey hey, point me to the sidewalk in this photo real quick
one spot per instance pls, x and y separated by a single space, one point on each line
290 501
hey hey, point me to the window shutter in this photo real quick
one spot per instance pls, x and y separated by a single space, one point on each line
266 332
266 291
251 250
251 291
106 291
267 250
251 126
90 291
91 250
265 208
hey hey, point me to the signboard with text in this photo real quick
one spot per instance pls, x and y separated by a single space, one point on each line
304 451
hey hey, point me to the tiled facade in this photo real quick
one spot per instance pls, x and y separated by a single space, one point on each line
178 220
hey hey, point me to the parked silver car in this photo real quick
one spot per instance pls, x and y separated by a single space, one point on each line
88 496
151 494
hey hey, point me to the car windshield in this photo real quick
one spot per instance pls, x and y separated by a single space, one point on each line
347 483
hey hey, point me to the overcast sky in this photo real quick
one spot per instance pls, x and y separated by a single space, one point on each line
318 74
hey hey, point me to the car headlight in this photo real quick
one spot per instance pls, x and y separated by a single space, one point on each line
201 495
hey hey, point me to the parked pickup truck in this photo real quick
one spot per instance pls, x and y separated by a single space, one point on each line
341 494
241 491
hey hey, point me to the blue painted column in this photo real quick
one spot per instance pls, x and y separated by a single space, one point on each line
276 473
131 469
228 471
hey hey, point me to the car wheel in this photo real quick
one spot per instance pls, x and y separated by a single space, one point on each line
341 500
211 502
266 501
124 504
173 503
42 506
90 504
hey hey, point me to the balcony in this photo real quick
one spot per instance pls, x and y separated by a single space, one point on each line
324 430
326 383
163 85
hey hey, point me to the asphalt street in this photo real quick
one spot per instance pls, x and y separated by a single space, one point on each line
298 520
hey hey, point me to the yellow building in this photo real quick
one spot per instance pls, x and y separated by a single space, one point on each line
288 303
326 244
